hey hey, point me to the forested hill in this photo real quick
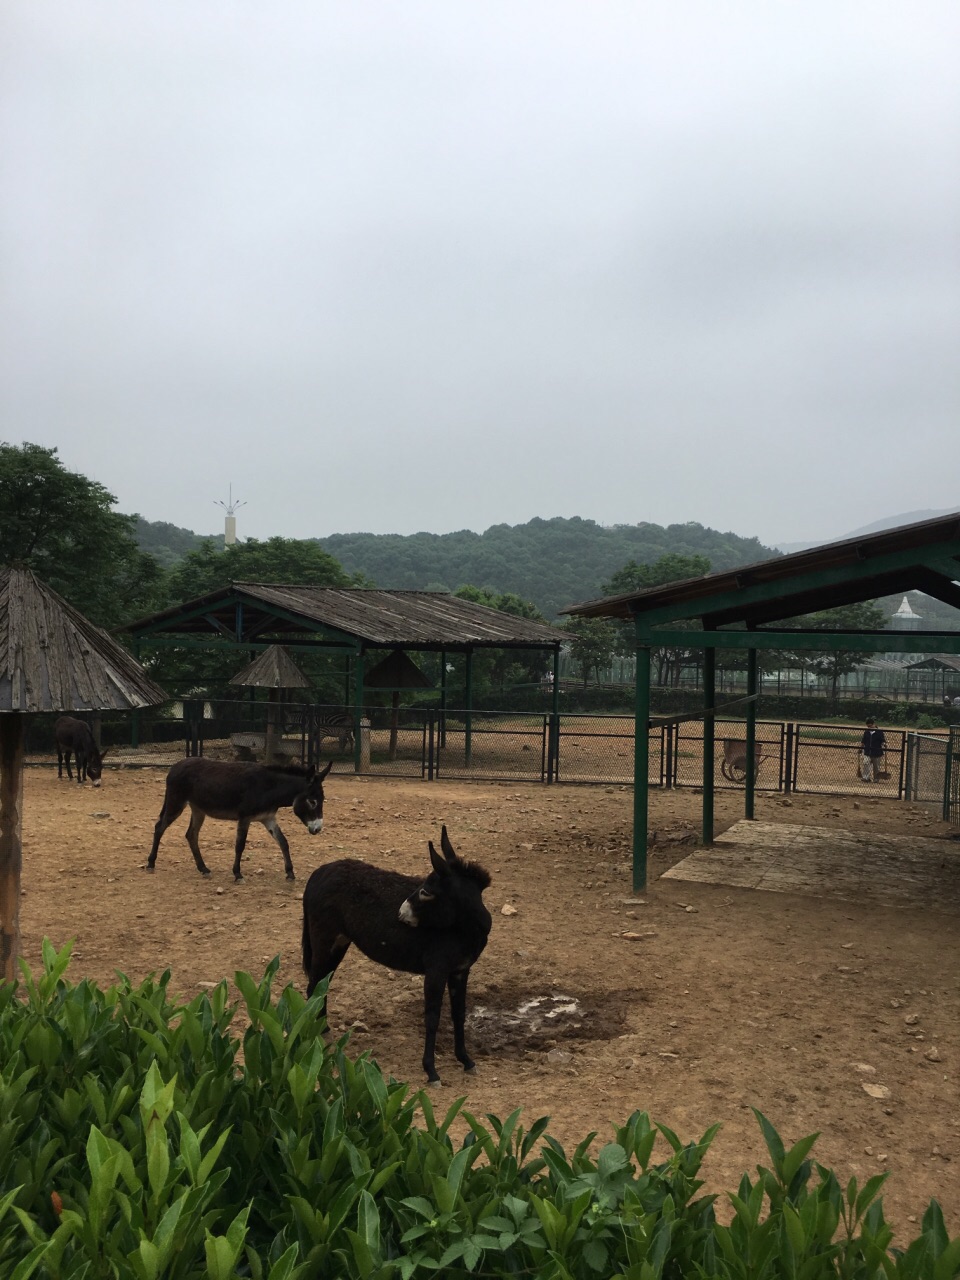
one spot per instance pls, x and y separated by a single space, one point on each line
549 562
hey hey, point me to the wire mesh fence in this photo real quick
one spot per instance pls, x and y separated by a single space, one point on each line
430 743
927 770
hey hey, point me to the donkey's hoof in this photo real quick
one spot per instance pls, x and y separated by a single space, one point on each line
471 1070
435 1084
291 876
204 871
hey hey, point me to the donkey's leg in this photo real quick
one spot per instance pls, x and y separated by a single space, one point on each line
193 838
243 826
59 763
170 812
457 986
274 828
433 985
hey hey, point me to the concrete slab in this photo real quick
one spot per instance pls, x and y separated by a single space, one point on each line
821 862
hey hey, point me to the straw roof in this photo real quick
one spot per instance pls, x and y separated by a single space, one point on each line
272 669
53 659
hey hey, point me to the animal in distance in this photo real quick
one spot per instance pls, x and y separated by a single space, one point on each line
75 738
241 793
733 766
437 927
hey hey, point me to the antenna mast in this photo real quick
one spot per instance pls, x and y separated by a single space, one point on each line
230 521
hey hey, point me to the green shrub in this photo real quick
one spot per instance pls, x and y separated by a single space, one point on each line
137 1140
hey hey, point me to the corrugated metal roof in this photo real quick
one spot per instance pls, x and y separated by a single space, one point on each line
403 619
781 597
272 669
53 659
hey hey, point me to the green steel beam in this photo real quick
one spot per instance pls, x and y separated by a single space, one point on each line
641 767
818 641
747 592
709 735
750 783
213 646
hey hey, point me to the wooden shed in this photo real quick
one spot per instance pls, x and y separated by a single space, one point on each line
51 659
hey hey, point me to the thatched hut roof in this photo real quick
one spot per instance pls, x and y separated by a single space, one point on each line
272 669
53 659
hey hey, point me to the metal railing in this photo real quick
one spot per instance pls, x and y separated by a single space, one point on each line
430 743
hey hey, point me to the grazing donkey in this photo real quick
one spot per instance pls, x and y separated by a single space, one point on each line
74 737
437 927
241 793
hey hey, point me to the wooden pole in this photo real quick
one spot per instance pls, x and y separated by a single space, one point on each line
394 723
11 846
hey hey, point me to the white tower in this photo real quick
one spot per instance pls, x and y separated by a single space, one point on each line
230 521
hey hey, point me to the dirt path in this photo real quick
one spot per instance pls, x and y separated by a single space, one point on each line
726 999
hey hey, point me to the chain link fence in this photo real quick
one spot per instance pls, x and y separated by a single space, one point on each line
508 746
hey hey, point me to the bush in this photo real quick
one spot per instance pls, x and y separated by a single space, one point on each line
137 1141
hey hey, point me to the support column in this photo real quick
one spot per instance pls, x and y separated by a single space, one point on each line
641 768
709 734
11 846
442 724
358 713
468 716
750 784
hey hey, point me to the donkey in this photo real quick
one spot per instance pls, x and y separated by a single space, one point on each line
733 766
74 737
437 927
241 793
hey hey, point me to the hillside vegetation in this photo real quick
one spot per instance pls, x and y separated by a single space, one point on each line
551 563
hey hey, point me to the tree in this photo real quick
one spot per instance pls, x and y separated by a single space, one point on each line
834 663
593 643
63 527
289 560
668 662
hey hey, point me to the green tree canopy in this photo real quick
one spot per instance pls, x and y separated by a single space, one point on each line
666 568
289 560
671 567
63 527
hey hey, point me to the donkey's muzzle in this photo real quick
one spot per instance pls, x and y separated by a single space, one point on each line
315 825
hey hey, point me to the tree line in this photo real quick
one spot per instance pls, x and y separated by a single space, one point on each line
63 526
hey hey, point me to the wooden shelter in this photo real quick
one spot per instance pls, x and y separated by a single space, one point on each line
394 674
275 671
362 624
51 659
751 609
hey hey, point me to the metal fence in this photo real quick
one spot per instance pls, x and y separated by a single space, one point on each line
507 746
952 805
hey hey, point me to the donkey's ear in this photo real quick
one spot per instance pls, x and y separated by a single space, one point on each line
103 753
442 868
323 772
448 850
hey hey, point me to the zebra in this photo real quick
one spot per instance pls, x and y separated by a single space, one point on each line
332 724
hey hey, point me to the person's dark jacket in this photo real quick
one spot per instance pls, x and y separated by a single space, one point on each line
874 743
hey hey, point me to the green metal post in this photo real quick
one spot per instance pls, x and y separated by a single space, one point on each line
357 709
641 766
709 733
751 781
468 718
442 734
555 714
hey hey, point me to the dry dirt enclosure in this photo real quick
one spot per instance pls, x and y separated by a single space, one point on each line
723 999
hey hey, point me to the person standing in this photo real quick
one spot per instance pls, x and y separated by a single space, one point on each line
873 747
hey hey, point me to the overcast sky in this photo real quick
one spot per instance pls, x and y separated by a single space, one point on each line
437 265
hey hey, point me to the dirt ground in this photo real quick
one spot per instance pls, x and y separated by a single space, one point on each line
721 1000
